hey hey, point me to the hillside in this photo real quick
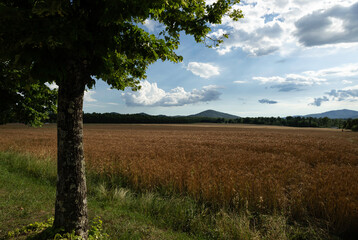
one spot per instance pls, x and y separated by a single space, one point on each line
336 114
214 114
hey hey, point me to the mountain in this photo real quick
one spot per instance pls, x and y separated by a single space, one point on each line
343 114
214 114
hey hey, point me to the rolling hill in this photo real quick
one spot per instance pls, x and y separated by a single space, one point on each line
342 114
214 114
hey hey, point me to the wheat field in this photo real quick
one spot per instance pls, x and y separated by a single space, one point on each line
300 172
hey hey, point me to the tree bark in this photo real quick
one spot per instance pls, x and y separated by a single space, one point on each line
71 194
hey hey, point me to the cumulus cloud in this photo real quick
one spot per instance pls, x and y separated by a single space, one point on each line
152 25
151 95
346 82
290 82
337 24
239 82
263 41
318 101
204 70
296 82
346 94
348 70
267 101
278 25
88 96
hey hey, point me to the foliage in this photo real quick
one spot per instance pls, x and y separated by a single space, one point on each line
36 227
23 101
352 124
103 39
295 121
45 231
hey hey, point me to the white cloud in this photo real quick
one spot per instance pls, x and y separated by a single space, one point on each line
210 2
239 82
351 88
347 70
348 94
336 26
151 95
290 82
88 96
347 82
204 70
277 25
274 79
329 26
152 25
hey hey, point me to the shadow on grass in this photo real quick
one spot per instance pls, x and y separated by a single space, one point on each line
112 196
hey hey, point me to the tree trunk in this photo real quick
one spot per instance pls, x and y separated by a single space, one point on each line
71 194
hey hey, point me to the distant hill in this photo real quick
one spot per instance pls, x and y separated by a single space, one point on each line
342 114
214 114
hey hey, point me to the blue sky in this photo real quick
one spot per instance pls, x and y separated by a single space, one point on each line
286 57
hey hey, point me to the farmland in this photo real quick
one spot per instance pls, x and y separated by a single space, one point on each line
302 173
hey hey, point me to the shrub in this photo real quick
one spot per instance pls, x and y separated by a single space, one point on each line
45 231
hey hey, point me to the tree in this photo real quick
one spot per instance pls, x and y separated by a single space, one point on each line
74 42
351 124
23 101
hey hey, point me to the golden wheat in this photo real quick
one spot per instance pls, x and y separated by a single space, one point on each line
302 172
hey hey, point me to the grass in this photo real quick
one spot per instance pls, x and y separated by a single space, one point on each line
23 199
27 195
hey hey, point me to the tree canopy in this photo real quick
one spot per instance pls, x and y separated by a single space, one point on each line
105 37
26 101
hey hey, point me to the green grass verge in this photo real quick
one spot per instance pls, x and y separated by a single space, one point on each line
27 194
23 199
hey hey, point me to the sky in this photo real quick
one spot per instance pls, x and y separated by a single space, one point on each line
285 57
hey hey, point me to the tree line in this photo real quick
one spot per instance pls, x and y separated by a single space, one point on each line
143 118
298 121
294 121
290 121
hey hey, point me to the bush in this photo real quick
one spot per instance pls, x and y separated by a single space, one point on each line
45 231
355 128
